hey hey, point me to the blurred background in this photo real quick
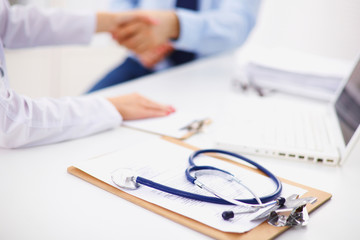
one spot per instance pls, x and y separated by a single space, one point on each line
328 28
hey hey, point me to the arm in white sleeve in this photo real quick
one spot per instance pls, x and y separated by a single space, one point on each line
30 122
27 26
216 30
27 122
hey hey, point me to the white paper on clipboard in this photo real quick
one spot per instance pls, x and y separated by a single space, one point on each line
165 163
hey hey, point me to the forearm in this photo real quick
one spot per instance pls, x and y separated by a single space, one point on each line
26 122
28 26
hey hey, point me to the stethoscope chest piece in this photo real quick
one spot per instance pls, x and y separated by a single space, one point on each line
125 178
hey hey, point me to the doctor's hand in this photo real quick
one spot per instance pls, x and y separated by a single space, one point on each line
141 36
134 106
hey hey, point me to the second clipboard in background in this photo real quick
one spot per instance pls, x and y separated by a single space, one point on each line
180 125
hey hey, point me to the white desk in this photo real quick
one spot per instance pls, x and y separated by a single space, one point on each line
40 200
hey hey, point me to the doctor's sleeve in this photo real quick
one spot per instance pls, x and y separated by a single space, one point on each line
27 122
28 26
212 31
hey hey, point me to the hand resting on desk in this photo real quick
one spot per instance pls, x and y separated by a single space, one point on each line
134 106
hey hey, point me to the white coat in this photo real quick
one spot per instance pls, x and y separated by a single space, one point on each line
28 122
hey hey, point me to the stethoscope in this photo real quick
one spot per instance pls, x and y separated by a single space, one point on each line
127 179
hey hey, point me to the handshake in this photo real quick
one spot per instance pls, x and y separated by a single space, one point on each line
146 33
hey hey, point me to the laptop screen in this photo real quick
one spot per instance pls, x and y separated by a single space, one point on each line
348 105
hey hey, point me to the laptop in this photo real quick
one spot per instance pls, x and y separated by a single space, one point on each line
294 129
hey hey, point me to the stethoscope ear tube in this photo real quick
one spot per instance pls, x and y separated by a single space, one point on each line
180 193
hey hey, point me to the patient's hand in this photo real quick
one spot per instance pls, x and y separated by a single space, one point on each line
153 56
134 106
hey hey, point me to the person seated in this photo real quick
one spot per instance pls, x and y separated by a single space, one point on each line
181 31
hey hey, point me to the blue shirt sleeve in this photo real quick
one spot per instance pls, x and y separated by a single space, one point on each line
121 5
222 28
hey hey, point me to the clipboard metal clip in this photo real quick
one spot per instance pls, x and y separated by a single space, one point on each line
292 213
196 126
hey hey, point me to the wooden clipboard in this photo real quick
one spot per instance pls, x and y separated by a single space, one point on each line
263 231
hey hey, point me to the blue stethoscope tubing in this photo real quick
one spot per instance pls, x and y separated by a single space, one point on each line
193 167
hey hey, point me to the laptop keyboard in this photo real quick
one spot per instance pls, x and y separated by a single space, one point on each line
286 131
297 131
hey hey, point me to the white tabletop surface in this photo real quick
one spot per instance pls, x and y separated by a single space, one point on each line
40 200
